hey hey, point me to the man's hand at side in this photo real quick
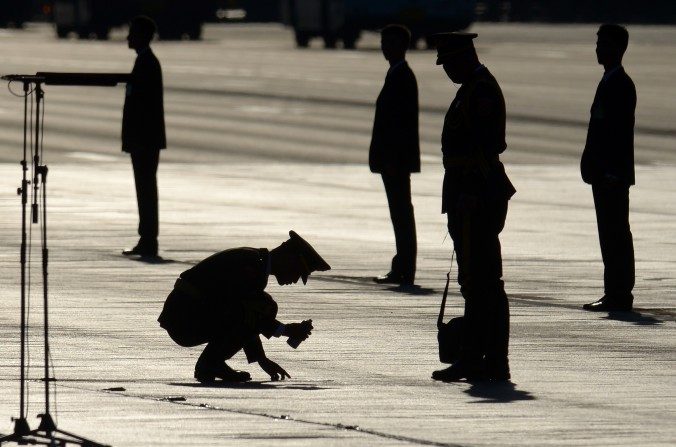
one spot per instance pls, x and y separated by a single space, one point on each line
275 371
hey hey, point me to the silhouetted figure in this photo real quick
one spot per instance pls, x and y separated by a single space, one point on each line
221 301
395 150
476 191
608 165
143 132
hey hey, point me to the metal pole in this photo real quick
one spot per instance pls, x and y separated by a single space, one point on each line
23 191
39 94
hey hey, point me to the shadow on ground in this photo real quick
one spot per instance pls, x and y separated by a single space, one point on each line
254 385
156 260
637 318
413 290
498 392
368 281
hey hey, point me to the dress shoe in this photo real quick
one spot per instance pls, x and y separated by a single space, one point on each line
498 373
389 278
461 370
610 304
209 374
394 278
141 249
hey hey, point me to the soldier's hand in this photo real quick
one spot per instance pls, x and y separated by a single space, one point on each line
275 371
300 330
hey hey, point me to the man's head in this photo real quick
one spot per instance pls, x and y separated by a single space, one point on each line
611 43
394 41
295 259
456 52
141 32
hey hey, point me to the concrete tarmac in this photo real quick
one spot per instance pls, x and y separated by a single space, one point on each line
266 156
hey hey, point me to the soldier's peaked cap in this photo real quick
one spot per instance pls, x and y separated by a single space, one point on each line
450 44
312 260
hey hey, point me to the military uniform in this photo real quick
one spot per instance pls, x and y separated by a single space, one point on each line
221 302
476 190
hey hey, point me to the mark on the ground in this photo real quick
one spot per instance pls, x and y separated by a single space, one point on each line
253 385
283 417
490 392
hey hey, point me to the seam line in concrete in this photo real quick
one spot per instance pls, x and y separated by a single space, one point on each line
519 117
335 426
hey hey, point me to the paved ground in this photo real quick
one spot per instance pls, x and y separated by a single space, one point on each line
253 155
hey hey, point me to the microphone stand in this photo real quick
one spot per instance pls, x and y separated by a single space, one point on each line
47 433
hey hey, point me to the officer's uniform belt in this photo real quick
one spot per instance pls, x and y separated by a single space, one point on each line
466 161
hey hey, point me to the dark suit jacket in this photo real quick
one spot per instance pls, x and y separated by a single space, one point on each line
610 138
395 127
225 291
143 115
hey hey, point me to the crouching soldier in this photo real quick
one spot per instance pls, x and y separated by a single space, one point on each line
222 302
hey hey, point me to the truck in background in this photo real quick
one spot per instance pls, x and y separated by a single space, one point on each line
344 20
259 11
575 11
14 13
95 18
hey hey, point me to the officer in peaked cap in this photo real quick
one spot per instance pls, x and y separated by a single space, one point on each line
449 45
222 302
476 190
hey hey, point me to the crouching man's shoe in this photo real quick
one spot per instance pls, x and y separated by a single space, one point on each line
611 303
209 374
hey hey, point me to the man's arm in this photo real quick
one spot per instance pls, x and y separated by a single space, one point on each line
404 120
253 349
620 109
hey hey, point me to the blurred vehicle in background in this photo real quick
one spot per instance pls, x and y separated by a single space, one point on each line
15 13
175 19
259 11
344 20
595 11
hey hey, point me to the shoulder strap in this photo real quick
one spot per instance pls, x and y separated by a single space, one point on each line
440 320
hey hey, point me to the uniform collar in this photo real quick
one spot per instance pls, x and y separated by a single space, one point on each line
267 264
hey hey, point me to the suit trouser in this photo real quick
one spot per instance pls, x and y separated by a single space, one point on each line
398 190
475 235
145 164
617 246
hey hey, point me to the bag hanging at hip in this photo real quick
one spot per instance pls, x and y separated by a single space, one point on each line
450 335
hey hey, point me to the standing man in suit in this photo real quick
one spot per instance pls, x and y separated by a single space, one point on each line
476 191
395 150
608 165
143 132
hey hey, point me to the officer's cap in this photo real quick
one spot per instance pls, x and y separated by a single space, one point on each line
450 44
308 255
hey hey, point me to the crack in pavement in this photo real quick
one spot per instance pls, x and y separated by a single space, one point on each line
283 417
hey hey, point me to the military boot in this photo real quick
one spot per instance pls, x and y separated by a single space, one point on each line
209 373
